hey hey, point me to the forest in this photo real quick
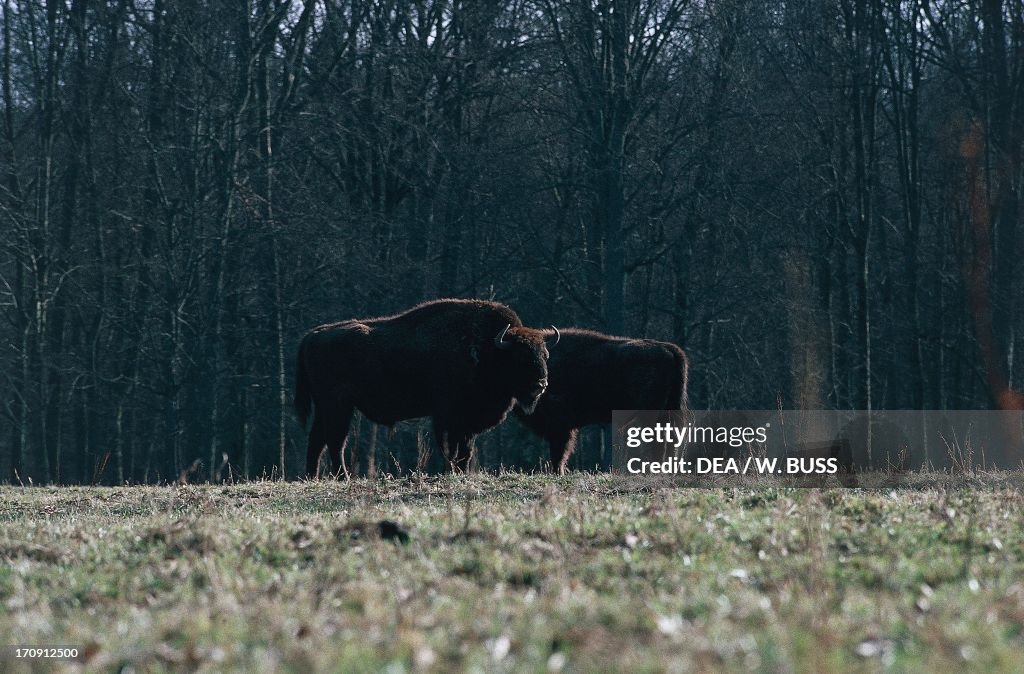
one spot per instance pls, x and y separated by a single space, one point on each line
819 200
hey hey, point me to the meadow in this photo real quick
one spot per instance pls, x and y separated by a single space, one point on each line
515 572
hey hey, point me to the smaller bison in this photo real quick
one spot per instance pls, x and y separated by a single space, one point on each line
592 374
463 362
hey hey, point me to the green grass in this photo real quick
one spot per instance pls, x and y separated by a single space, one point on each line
515 572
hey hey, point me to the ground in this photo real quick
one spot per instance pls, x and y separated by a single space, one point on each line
515 572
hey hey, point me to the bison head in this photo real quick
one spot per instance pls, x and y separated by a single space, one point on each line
523 361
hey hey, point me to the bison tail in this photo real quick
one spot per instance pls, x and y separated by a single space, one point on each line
678 398
303 402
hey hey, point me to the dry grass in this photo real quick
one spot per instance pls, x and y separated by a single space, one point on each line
515 572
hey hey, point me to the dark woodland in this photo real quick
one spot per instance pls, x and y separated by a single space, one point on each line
819 200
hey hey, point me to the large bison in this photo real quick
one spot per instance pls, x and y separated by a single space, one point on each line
463 362
592 374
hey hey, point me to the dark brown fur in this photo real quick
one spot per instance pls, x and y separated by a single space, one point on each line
438 359
592 374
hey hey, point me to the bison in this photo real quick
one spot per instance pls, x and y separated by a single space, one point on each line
592 374
463 362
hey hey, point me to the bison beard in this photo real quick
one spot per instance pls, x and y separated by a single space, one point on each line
592 374
463 362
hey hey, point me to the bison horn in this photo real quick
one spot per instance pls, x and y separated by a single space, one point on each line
499 341
558 335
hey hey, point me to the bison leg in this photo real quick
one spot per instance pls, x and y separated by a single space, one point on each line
562 443
315 445
456 446
464 450
337 433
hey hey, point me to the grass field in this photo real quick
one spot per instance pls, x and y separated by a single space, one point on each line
515 572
